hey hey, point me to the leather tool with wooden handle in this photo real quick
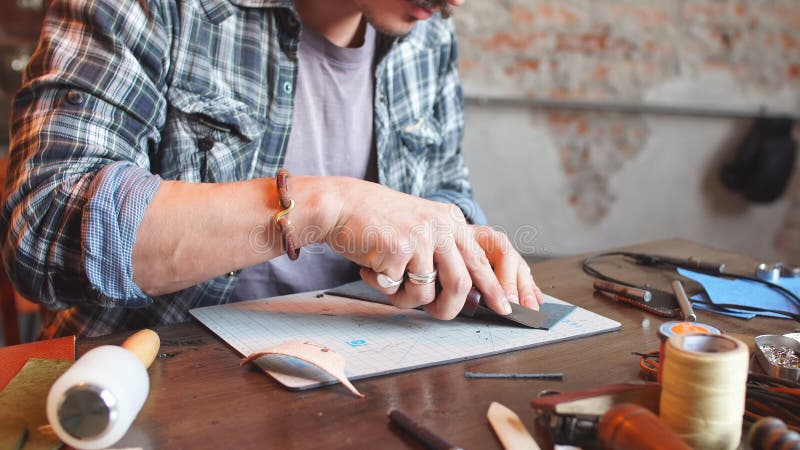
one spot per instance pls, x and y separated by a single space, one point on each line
632 427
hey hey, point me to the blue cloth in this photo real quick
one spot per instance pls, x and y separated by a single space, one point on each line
745 292
703 303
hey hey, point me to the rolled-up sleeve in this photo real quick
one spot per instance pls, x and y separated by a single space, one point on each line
118 198
83 126
472 211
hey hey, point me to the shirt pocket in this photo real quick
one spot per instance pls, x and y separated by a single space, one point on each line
420 141
209 138
420 136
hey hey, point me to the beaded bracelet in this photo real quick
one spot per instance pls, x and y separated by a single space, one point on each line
282 217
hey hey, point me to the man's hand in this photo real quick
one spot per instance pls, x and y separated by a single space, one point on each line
389 232
511 269
192 232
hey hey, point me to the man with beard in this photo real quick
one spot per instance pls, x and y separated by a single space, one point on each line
148 135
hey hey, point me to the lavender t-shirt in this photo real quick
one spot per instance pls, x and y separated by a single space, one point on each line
331 136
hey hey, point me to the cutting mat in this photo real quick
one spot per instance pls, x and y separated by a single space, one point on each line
374 339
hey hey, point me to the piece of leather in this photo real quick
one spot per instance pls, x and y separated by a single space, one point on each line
25 398
286 228
14 357
548 315
316 354
597 401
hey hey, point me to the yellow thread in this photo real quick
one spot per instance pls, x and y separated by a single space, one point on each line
703 389
283 213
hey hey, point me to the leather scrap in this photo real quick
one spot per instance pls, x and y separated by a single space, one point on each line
315 354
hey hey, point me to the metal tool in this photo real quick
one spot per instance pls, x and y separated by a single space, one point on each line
683 301
516 376
548 315
691 263
769 272
621 289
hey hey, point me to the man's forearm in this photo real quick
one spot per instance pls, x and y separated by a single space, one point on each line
192 232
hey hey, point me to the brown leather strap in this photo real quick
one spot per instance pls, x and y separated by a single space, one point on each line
284 224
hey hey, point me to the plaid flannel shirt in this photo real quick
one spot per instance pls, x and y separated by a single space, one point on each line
121 94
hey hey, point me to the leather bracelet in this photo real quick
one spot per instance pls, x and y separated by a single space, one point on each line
282 217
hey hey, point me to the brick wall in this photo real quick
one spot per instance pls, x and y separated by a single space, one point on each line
619 49
706 53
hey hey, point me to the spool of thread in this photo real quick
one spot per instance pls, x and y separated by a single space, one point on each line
92 405
670 329
703 389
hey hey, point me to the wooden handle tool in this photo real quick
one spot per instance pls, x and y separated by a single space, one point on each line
628 426
144 344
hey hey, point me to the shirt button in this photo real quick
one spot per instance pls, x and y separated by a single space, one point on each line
381 98
75 97
287 87
291 21
205 144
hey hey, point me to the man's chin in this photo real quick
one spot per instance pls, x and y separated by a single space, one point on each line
393 29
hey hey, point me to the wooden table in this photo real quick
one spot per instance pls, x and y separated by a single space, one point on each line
201 398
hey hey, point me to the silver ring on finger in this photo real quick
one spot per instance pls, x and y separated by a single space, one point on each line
387 282
422 278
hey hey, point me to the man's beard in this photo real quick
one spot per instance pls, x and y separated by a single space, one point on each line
444 5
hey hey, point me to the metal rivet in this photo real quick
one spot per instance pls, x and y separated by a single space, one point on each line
75 97
205 144
287 87
231 274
